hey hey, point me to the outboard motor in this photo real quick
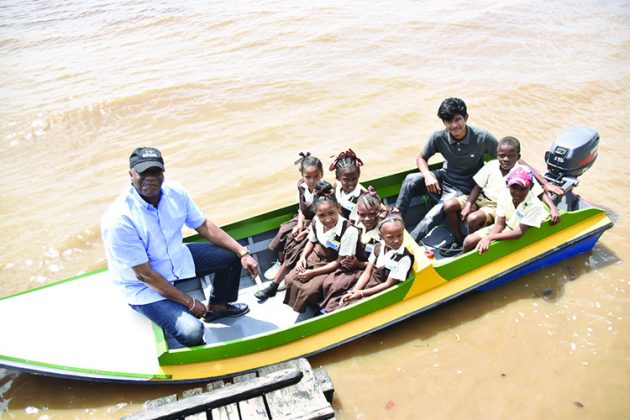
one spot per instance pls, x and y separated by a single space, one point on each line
572 153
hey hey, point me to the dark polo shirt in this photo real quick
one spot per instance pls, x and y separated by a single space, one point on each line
462 158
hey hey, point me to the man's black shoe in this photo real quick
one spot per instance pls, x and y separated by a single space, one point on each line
231 309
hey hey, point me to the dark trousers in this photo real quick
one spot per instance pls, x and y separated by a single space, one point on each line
414 186
224 264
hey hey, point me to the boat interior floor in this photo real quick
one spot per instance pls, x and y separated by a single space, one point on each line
263 316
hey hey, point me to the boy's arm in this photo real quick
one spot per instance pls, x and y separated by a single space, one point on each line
497 228
553 210
474 194
549 187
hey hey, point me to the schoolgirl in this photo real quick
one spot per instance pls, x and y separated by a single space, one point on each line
347 189
388 264
331 238
368 207
291 237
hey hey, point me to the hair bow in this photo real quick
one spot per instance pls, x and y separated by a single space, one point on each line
302 157
342 156
324 190
390 211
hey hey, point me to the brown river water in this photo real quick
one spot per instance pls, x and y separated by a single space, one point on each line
232 91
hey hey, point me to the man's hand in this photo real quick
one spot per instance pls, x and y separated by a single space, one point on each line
433 185
198 308
249 263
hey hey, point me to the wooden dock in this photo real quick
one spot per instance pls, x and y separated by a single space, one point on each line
288 390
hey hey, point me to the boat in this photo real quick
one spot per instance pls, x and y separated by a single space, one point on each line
82 328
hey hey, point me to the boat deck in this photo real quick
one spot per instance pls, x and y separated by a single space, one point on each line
263 316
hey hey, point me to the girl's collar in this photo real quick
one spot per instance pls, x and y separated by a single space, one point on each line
356 192
386 248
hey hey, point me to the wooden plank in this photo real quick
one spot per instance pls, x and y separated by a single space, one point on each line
252 408
219 397
158 402
190 393
325 383
304 400
226 412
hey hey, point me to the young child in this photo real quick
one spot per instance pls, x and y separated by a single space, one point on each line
518 208
291 237
331 238
389 263
479 208
347 189
341 280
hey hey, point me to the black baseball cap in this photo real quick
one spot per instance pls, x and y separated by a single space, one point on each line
144 158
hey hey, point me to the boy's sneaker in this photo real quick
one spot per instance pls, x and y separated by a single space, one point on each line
453 249
267 292
282 286
271 272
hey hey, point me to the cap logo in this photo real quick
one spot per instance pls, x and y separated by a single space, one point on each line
149 154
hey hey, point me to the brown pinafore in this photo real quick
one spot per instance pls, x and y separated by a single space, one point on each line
299 295
340 281
288 247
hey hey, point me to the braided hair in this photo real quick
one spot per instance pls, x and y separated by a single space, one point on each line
390 215
306 160
370 198
347 160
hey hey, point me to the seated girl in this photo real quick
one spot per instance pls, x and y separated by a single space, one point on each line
347 189
291 237
330 238
388 264
518 208
341 280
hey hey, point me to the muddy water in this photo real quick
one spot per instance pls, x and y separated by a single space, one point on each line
231 92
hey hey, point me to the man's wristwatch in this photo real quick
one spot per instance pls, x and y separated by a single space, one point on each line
244 251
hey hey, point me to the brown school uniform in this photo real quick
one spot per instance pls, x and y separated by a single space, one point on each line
378 276
340 281
284 242
299 295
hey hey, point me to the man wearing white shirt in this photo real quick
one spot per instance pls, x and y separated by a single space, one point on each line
142 233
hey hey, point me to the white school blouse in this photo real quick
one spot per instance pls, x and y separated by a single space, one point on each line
346 246
397 269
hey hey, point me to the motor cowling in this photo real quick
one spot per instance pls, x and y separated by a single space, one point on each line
573 152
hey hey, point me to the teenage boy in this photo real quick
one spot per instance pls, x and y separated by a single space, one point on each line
463 147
